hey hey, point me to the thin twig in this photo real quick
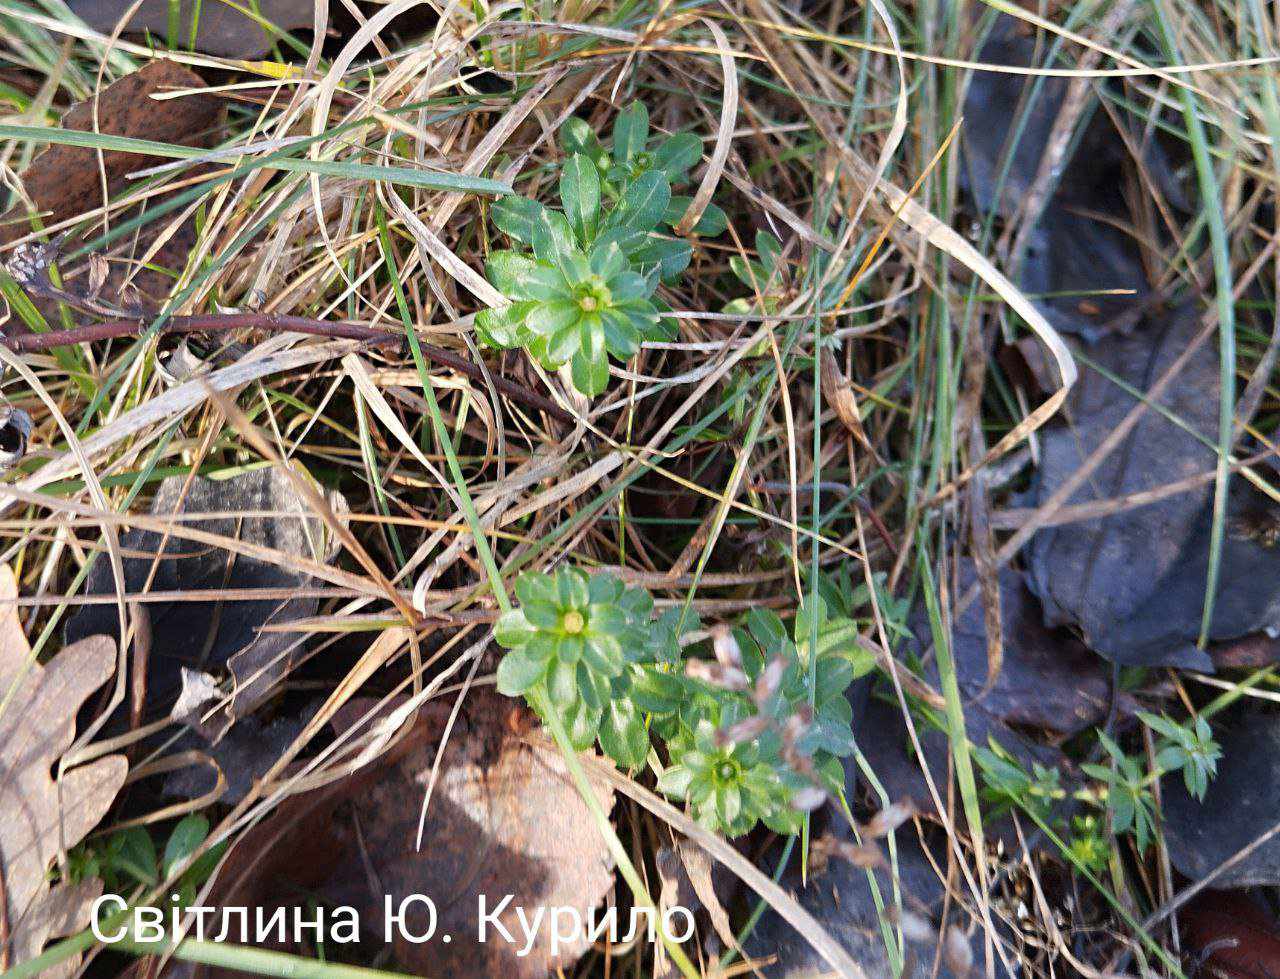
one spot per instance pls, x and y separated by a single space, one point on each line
220 322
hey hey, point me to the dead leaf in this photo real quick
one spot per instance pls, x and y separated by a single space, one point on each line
1230 936
210 635
840 898
222 29
43 817
1048 679
1076 246
504 818
1241 805
65 181
1133 582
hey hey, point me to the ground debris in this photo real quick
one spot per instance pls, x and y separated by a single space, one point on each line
1241 807
260 507
221 28
504 818
36 726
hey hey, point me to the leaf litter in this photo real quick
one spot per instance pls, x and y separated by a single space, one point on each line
1032 688
44 816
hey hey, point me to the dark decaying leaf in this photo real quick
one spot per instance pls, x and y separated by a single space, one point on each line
1048 680
1133 582
65 181
1241 805
223 29
839 896
1230 936
1076 246
216 635
42 816
504 818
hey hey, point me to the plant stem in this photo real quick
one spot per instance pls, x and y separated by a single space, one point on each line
214 323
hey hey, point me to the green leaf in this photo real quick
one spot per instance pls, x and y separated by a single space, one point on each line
590 370
504 327
643 204
513 629
553 240
190 832
770 251
509 272
516 217
137 855
676 155
713 223
577 136
670 255
519 672
622 734
630 132
580 194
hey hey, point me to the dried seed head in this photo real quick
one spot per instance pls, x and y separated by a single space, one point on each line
809 798
747 729
725 677
725 646
98 270
769 680
889 818
915 929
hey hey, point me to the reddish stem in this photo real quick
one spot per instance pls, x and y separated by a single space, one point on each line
114 328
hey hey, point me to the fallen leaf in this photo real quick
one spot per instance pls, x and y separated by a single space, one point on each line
65 181
1076 246
1241 805
222 29
840 898
208 635
1133 582
1227 935
43 816
1048 679
504 818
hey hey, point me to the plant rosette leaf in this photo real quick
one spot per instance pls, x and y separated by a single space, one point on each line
729 787
578 637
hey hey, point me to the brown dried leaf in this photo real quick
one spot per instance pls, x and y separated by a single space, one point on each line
41 816
64 181
504 818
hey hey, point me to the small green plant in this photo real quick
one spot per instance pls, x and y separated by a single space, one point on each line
129 858
1189 748
586 642
1129 798
729 785
765 277
755 734
587 288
